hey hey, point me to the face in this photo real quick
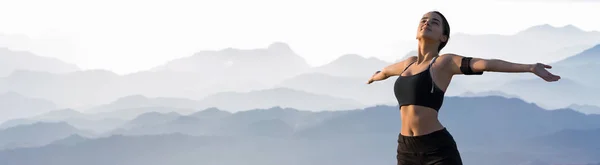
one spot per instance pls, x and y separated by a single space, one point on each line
431 27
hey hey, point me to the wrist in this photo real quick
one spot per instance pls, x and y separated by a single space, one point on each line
530 67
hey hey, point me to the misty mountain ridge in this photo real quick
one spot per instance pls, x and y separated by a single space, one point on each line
37 134
276 62
208 73
577 79
587 109
542 43
23 60
152 118
588 56
96 123
553 94
70 140
563 31
354 88
374 129
352 65
284 97
15 105
488 93
463 108
140 101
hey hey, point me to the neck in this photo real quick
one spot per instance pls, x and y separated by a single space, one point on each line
427 51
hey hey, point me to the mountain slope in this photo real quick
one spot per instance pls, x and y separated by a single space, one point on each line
14 105
11 61
254 66
265 136
541 43
553 94
36 134
283 97
351 65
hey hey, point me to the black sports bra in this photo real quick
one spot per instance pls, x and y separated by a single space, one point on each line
419 89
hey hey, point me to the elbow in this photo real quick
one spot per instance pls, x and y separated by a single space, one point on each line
485 66
482 65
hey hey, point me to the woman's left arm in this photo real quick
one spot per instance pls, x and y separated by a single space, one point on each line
476 66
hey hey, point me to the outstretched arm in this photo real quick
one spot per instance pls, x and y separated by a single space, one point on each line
391 70
464 65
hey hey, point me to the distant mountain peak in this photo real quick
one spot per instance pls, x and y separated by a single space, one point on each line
591 55
279 45
25 60
280 48
347 59
540 27
132 98
571 27
547 28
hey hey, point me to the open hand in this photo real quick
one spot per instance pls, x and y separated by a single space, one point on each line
539 69
372 79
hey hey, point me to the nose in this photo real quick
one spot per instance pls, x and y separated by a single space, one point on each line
427 22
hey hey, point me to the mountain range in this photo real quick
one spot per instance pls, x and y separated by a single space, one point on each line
289 136
270 73
11 60
230 70
541 43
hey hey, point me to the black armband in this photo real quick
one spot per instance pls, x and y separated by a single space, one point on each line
465 67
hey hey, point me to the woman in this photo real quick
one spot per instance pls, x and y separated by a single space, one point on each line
420 89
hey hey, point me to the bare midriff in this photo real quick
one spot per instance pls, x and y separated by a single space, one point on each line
418 120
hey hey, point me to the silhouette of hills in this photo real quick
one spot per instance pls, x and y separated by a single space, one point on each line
37 134
507 131
488 93
343 87
83 121
581 67
347 66
11 61
541 43
553 94
588 56
208 73
15 105
70 140
261 66
152 118
284 97
140 101
587 109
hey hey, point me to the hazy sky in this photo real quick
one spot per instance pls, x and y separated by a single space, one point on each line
131 35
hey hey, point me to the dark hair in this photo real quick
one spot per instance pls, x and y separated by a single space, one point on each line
446 30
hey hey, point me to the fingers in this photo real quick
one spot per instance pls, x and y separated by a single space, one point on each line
551 78
547 66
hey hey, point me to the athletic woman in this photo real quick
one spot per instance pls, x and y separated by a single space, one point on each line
420 88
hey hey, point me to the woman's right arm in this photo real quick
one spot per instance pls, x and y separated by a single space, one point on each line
391 70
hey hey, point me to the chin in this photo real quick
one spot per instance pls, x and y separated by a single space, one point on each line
425 37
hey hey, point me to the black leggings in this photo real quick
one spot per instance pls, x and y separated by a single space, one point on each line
436 148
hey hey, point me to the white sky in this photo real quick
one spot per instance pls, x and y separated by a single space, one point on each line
131 35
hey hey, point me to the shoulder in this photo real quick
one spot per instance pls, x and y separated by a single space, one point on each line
448 59
409 60
398 67
405 62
